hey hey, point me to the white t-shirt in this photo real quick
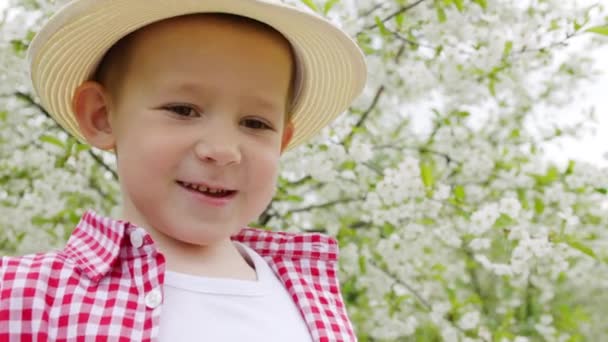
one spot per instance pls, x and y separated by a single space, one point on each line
216 309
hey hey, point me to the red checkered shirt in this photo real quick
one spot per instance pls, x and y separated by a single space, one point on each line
105 287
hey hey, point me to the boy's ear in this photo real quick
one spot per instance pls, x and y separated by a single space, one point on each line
91 107
287 135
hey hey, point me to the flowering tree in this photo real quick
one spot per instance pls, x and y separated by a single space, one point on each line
452 225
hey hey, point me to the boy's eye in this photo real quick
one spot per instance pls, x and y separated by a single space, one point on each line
256 124
182 110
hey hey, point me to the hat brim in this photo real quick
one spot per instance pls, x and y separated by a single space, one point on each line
65 53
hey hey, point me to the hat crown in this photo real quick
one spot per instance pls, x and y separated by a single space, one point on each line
65 53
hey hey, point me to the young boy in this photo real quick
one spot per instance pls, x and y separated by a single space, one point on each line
197 99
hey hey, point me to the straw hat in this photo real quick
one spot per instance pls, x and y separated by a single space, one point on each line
66 52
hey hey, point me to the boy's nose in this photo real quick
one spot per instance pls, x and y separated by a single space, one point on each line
222 152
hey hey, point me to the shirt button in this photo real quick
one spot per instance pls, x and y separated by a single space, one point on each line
154 299
137 238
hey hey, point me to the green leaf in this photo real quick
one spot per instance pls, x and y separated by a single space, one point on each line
400 19
383 30
440 268
427 221
39 220
395 302
508 48
539 206
482 3
52 140
459 193
3 115
441 16
329 5
19 47
461 114
570 318
602 191
504 221
82 147
438 50
574 243
348 165
293 198
603 30
523 199
492 86
426 173
362 264
30 35
311 5
551 176
387 230
459 5
570 169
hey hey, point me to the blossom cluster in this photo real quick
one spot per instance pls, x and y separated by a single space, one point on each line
452 224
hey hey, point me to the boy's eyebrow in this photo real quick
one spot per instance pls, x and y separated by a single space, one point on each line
255 100
261 103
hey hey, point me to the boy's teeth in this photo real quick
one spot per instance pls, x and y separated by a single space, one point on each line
204 189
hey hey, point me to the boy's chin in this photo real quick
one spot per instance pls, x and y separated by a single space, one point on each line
200 233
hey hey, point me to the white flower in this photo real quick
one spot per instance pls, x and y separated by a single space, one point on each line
490 155
518 233
361 152
546 319
485 334
442 192
411 324
510 206
441 308
479 244
449 334
502 270
483 260
448 236
521 339
483 219
469 321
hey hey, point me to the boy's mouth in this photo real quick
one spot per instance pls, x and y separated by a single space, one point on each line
206 190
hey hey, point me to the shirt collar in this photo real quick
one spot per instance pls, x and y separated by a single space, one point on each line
97 242
292 245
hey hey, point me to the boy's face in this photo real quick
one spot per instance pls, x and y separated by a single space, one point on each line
202 105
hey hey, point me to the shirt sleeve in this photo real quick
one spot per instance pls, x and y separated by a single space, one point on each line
2 263
2 299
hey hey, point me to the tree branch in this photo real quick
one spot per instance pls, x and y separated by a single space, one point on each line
371 10
374 103
475 281
560 43
365 114
92 184
326 205
446 156
105 166
29 100
392 15
418 296
397 280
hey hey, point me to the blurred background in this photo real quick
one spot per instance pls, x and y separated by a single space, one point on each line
466 186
